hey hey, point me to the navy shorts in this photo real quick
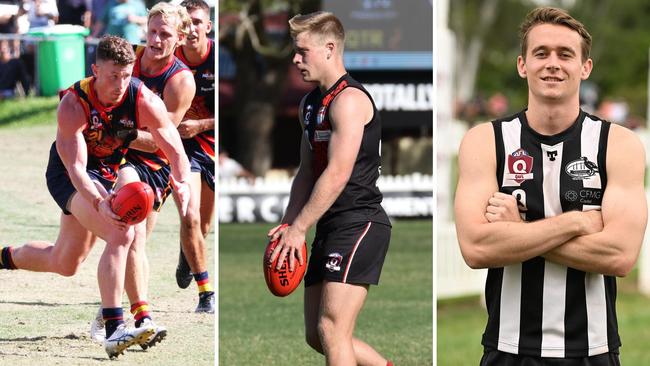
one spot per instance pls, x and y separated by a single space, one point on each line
60 185
348 253
200 161
158 180
498 358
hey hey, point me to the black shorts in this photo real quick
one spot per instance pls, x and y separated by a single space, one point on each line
200 161
498 358
60 185
158 180
348 253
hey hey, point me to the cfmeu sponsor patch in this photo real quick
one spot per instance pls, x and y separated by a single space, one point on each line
520 166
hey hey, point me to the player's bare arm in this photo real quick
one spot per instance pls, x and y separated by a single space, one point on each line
349 113
486 244
192 127
72 149
303 182
177 98
152 114
615 249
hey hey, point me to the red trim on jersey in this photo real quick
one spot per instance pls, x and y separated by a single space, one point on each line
354 250
206 145
137 69
137 109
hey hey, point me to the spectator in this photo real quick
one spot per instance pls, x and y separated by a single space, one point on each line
41 13
230 168
77 12
8 12
123 18
12 70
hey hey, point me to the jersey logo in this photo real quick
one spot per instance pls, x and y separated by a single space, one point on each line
551 155
520 166
322 135
581 169
321 115
334 262
308 111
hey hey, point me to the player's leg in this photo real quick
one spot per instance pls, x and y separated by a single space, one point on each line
311 305
340 306
207 199
193 244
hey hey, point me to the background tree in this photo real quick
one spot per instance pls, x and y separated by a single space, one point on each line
262 62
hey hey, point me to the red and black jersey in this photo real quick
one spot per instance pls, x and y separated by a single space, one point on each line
203 103
157 84
360 199
109 129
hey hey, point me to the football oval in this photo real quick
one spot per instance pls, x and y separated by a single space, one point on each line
133 202
282 282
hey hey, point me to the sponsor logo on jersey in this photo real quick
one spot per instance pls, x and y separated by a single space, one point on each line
208 75
127 123
581 169
322 135
308 112
571 196
321 115
520 166
334 262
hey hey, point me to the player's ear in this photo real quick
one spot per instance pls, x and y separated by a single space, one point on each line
94 69
521 67
208 28
587 66
331 48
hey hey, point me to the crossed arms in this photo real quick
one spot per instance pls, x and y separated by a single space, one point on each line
491 233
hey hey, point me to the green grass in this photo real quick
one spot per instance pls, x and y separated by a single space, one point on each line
461 323
256 328
45 318
28 111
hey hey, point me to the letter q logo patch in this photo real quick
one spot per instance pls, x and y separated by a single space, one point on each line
520 166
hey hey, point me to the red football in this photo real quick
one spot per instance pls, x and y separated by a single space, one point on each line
133 202
283 282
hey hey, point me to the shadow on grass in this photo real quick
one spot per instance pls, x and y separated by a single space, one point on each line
22 113
39 303
66 356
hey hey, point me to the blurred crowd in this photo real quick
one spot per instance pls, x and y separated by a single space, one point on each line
124 18
483 108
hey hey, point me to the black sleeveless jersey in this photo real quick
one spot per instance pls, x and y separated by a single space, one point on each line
109 129
538 307
360 199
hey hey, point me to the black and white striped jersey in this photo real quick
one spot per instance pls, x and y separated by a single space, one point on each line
538 307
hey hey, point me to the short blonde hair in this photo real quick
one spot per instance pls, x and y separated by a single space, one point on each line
167 11
548 15
324 24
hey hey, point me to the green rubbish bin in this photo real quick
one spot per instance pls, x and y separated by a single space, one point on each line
61 57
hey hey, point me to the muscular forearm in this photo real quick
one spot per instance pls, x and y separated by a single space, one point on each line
144 142
300 190
498 244
609 252
170 143
326 189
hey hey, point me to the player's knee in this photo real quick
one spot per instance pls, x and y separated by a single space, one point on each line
191 221
121 237
326 330
68 268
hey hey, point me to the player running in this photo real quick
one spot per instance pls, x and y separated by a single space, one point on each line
197 132
97 118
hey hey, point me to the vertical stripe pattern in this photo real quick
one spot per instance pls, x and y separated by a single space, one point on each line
538 307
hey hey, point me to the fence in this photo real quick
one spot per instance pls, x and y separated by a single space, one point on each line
264 200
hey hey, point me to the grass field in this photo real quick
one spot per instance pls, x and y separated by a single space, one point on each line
256 328
45 318
461 323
